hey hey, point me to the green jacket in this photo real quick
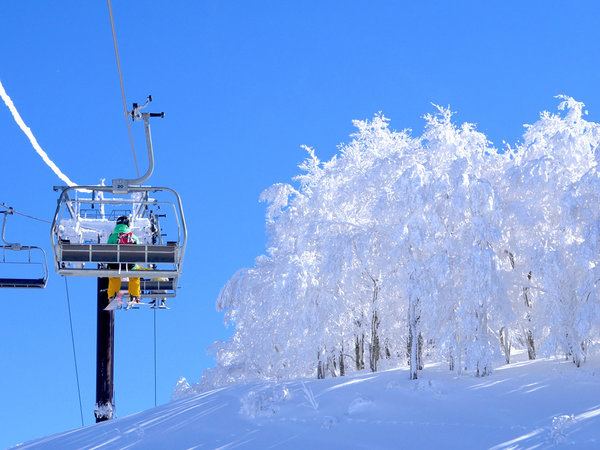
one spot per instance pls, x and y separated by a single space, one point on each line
121 228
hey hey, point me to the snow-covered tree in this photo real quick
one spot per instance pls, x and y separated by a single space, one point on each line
401 249
540 192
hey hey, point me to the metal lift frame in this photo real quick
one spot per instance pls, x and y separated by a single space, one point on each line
66 253
27 283
81 253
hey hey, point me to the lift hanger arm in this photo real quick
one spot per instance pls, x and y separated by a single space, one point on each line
121 185
13 246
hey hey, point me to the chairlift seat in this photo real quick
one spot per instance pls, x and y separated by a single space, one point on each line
29 283
70 256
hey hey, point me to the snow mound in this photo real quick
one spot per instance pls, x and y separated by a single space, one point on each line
264 402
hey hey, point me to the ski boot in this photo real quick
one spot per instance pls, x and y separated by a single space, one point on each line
133 301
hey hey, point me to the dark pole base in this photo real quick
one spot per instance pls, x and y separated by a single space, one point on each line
105 345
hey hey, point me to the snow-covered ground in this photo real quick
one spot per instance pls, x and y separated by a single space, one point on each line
547 403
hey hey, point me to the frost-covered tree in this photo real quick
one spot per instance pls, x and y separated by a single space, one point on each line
403 249
556 153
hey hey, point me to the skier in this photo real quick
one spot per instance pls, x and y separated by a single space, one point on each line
123 235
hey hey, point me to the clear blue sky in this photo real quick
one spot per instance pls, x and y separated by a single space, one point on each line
243 85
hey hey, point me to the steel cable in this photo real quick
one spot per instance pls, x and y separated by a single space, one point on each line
114 34
21 214
74 354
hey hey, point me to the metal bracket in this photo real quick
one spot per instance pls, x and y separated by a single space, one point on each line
120 186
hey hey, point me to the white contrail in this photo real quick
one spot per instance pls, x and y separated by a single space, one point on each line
31 137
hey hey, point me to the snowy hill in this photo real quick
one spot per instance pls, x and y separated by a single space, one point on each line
547 403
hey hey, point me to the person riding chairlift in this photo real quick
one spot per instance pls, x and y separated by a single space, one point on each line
123 235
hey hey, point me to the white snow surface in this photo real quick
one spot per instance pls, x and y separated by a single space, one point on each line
546 403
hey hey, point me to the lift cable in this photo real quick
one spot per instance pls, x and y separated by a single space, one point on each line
24 215
114 34
74 354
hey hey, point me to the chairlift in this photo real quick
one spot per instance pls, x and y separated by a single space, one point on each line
15 256
156 216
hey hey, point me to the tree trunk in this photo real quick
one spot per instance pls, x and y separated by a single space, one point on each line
320 367
457 361
420 352
528 333
419 360
505 344
576 353
374 347
527 330
530 344
359 351
484 365
413 337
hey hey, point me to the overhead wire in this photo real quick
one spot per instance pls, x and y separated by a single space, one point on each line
24 215
114 34
74 353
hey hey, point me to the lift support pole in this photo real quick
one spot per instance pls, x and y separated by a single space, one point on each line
105 346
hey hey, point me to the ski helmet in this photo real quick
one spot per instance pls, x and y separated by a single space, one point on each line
123 220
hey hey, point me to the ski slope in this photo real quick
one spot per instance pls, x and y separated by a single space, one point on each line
547 403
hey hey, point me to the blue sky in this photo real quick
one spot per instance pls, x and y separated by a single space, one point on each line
243 86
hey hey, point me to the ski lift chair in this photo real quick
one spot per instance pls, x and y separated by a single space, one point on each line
78 237
79 246
33 256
